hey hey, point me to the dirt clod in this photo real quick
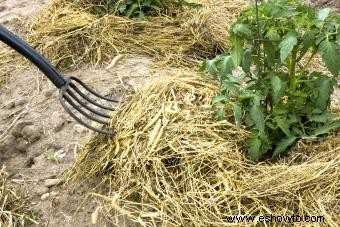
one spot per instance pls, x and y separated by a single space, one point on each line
58 121
17 130
45 196
10 105
21 145
51 182
80 129
41 190
21 102
31 132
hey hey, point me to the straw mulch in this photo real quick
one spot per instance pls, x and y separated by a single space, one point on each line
14 206
68 34
172 164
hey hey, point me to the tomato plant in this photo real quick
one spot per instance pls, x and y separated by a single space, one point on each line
279 97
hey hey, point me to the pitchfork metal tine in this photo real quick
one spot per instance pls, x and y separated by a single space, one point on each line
78 108
70 94
92 91
86 106
90 100
63 96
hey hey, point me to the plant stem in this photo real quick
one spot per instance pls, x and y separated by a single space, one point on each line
258 35
311 57
292 66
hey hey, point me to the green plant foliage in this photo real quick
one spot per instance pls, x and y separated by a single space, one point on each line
276 96
135 8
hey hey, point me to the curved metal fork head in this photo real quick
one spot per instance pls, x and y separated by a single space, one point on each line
72 95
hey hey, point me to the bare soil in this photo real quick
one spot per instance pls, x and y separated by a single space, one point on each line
39 141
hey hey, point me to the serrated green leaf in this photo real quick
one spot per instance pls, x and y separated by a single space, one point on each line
283 124
277 88
324 88
308 42
237 109
236 49
283 145
330 56
287 45
254 146
258 117
220 113
219 98
326 128
246 60
242 30
272 34
323 14
322 117
231 87
227 67
211 67
270 53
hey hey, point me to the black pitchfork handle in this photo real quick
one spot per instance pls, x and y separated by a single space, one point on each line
31 54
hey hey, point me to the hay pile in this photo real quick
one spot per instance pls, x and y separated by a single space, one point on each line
14 206
68 34
172 164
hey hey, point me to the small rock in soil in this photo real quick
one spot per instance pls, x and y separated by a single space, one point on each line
2 8
41 190
10 105
54 193
21 145
51 182
45 196
58 121
17 130
20 102
59 155
80 129
48 93
3 116
31 132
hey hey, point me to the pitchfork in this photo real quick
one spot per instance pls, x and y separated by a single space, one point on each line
70 88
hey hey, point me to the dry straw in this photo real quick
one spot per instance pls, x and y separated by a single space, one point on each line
172 164
14 205
69 34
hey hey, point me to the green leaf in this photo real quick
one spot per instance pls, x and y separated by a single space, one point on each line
219 98
237 109
227 66
236 49
277 88
254 146
308 42
246 60
283 124
242 30
258 117
283 145
220 113
272 34
211 66
326 128
287 45
270 53
322 117
330 56
231 87
132 10
324 87
323 14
